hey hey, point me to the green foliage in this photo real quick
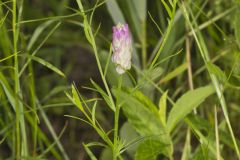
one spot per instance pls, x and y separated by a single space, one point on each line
150 148
115 11
139 113
163 108
213 69
186 103
143 116
174 73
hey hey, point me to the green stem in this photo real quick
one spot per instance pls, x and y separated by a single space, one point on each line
144 45
115 141
33 104
18 140
21 138
116 119
90 37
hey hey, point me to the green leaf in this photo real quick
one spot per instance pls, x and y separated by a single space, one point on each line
103 94
145 101
38 48
115 11
174 73
153 73
130 137
89 152
150 149
106 154
38 31
139 114
213 69
48 65
186 104
7 89
94 112
86 30
163 107
76 99
133 19
142 116
167 8
141 7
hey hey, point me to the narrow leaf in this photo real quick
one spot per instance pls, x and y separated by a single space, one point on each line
103 94
48 65
214 69
115 11
94 112
150 149
167 8
186 104
38 32
174 73
76 99
163 107
141 7
89 152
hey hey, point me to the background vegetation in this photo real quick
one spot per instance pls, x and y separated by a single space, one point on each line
60 94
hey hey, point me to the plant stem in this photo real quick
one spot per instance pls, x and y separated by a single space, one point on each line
144 45
18 135
116 119
90 37
115 141
217 134
89 34
187 146
188 56
21 138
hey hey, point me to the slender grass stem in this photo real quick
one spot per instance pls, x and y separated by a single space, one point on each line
53 133
18 134
21 144
188 56
217 134
144 45
187 146
20 147
33 104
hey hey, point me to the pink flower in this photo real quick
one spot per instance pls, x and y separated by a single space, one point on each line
122 48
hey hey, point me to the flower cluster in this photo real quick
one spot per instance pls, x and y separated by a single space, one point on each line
122 48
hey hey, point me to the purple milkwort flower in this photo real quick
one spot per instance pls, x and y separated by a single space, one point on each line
122 47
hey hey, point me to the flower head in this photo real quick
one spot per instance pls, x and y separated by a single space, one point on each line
122 48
